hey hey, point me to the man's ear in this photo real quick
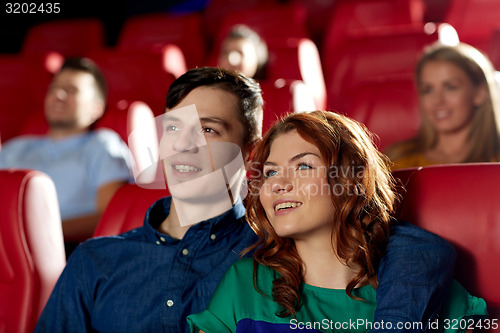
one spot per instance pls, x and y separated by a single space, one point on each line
481 94
98 110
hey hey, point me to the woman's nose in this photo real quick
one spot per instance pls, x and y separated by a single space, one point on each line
282 184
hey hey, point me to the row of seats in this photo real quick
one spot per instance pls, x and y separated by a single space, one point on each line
368 44
456 202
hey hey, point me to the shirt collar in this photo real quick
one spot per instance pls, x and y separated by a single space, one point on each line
216 227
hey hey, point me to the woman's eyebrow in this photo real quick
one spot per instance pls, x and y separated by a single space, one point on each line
295 158
299 156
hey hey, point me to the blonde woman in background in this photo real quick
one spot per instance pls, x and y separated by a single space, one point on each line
460 110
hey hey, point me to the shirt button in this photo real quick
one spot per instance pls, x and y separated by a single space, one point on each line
185 252
170 303
158 242
213 236
162 239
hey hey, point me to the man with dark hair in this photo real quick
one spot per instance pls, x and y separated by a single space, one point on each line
151 278
86 166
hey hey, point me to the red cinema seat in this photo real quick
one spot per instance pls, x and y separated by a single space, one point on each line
71 37
217 11
16 99
359 18
475 21
127 209
372 59
31 248
282 97
135 75
460 203
273 22
23 83
389 109
151 32
298 59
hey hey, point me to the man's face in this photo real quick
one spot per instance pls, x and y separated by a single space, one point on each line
202 136
71 101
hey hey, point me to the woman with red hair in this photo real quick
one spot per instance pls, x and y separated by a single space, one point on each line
321 202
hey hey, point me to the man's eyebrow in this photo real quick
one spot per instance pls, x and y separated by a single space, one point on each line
215 120
167 117
295 158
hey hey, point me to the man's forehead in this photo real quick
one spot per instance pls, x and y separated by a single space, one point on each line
73 75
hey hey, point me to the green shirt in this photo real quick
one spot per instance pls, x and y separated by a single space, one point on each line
237 303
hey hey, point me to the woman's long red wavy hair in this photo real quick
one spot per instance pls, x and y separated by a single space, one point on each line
361 223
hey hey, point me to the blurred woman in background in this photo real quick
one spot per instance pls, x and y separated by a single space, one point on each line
460 110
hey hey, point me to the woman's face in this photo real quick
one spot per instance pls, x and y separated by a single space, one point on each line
295 194
447 96
239 54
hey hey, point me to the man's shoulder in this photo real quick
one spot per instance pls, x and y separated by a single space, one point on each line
103 241
21 142
105 136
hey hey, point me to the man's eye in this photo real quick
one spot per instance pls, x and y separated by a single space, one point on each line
270 173
209 130
170 128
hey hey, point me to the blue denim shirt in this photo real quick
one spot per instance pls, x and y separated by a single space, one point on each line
414 277
146 281
143 280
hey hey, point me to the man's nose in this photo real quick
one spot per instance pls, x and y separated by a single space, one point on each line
60 94
188 141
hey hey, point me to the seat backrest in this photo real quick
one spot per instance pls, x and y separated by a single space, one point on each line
388 55
134 75
389 109
354 19
152 32
31 248
71 37
284 96
217 10
23 84
460 203
474 20
273 22
15 100
127 209
298 59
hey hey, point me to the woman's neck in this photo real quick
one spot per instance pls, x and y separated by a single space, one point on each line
450 148
322 266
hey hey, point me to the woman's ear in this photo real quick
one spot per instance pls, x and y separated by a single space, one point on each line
481 94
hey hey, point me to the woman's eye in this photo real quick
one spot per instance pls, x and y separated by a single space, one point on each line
270 173
304 166
425 90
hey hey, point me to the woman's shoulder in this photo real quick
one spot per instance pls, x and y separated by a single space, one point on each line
245 267
410 161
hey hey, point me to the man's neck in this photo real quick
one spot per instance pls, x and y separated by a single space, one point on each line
63 133
171 225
